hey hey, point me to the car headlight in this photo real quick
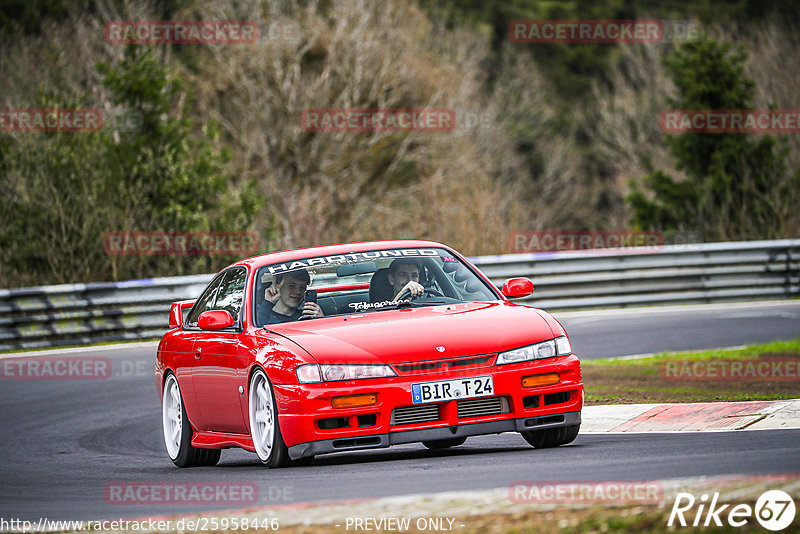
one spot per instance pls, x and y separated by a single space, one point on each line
546 349
563 346
311 373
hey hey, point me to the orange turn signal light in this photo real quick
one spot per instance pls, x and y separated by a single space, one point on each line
354 401
540 380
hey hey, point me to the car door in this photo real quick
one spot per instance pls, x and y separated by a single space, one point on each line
182 355
222 361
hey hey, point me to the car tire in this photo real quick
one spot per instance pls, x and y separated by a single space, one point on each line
178 431
551 437
264 426
444 443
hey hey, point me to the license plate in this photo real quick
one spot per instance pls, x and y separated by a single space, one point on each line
457 389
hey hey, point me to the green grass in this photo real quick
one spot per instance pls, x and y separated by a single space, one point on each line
788 348
642 380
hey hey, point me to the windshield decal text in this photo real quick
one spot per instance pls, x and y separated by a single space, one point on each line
369 305
352 257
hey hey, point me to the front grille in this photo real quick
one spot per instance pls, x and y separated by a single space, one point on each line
556 398
408 415
469 361
355 442
480 407
330 423
531 401
368 419
537 421
442 366
411 367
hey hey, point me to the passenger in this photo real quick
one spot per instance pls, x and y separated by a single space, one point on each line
284 299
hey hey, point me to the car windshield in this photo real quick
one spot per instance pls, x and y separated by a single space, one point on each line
370 281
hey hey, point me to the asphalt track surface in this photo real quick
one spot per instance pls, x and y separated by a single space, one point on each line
676 328
64 442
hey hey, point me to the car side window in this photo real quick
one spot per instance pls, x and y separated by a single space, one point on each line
205 302
231 292
465 283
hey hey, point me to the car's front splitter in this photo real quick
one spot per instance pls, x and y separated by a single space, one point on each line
377 441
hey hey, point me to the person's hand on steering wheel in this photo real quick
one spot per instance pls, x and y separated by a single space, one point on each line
415 288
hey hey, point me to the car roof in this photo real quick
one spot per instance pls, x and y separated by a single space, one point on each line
329 250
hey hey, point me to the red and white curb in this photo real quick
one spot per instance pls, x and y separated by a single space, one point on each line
688 417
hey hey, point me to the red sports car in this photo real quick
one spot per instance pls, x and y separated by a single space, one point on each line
345 347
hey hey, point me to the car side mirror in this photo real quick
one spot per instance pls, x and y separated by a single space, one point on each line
515 288
215 320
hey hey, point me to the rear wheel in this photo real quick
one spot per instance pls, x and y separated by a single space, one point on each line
551 437
178 430
444 443
264 427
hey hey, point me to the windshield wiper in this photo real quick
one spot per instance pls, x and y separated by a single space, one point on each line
389 306
419 304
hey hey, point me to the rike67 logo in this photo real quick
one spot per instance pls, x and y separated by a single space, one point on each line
774 510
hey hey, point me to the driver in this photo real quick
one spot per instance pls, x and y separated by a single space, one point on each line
284 299
404 276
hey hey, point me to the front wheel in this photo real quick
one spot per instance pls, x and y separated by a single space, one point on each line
178 430
264 427
444 443
551 437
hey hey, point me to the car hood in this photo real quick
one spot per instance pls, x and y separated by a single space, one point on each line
413 334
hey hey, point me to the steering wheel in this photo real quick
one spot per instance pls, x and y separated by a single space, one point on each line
306 317
428 291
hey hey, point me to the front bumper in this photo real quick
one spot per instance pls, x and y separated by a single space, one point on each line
379 441
306 413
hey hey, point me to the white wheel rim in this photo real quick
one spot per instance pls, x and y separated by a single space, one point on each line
171 416
262 415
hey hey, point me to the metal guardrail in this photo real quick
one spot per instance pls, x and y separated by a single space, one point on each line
76 314
715 272
676 274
